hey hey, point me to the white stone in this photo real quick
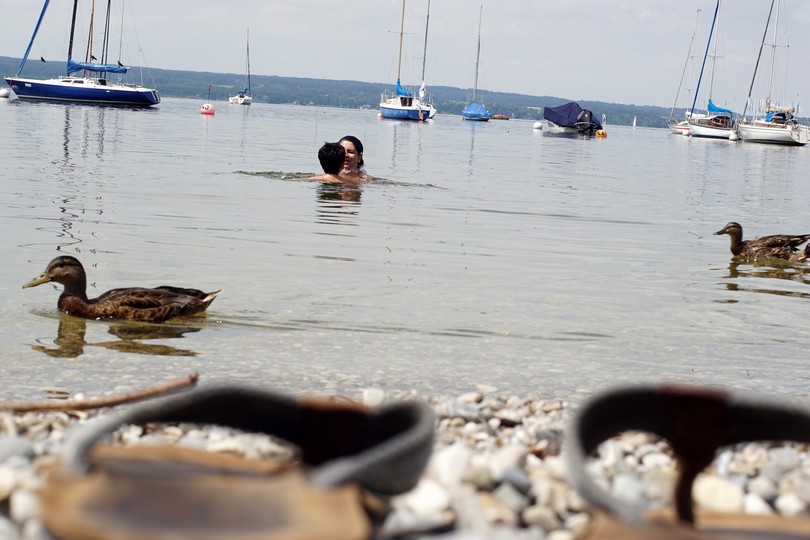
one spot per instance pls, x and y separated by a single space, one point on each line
790 505
717 494
427 498
540 516
509 457
753 504
448 465
23 505
763 487
373 397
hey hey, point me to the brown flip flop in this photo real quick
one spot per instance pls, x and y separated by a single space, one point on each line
351 459
696 422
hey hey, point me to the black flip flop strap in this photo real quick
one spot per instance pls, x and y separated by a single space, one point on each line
695 421
384 450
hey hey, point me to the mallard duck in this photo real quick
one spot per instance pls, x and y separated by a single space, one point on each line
775 246
137 303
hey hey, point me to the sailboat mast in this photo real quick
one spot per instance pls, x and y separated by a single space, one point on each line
72 29
401 31
685 65
756 66
90 32
773 53
708 44
424 53
477 55
248 61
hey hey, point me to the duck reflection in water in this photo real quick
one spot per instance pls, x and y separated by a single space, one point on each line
337 202
772 269
70 339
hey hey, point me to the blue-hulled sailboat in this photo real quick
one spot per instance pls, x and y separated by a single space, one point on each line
96 89
476 111
401 104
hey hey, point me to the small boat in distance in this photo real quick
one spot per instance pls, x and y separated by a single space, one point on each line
244 97
98 89
475 111
500 117
401 104
571 118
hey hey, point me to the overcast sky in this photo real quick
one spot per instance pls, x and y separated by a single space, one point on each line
621 51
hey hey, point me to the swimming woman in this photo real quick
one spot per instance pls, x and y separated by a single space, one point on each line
353 164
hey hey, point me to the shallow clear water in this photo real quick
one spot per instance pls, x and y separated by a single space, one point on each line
487 253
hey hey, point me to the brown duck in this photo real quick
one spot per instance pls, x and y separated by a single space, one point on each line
137 303
775 246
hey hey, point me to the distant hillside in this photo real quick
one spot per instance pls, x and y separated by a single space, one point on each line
350 94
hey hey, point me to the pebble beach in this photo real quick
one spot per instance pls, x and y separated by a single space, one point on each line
496 471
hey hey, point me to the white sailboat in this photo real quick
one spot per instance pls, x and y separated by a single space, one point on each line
423 88
401 104
717 123
773 123
476 111
681 127
244 97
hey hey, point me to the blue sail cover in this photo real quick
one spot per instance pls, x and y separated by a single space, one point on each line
567 115
475 111
715 109
401 91
73 67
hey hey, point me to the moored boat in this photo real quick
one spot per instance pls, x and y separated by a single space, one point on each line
97 89
773 123
500 117
571 118
475 111
401 104
244 97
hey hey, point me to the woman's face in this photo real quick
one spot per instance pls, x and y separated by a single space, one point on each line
352 159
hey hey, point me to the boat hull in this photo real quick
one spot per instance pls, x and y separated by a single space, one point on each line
772 133
83 90
679 128
240 100
404 108
711 132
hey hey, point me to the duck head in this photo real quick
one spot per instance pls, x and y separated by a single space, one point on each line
66 270
732 228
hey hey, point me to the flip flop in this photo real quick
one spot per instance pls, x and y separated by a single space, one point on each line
696 422
351 459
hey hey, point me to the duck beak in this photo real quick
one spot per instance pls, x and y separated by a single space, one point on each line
44 278
722 231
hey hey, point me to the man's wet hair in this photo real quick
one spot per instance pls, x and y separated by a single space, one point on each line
331 156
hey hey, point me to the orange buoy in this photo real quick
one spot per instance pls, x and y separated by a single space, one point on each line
207 109
601 133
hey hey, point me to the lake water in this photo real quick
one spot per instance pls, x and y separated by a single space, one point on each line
488 254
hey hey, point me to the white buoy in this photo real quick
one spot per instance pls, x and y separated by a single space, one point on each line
734 136
538 125
5 92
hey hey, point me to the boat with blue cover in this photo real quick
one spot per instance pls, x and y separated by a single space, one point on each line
476 111
72 88
571 118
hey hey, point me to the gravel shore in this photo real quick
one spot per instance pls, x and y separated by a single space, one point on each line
496 470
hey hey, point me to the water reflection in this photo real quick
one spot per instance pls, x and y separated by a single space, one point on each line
784 270
70 340
338 204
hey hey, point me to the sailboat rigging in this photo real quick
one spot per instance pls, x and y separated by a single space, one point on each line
96 89
718 123
682 127
422 88
401 104
476 111
244 97
775 123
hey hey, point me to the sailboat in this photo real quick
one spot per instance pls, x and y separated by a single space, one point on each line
476 111
401 104
244 97
422 88
774 123
682 127
717 123
96 89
